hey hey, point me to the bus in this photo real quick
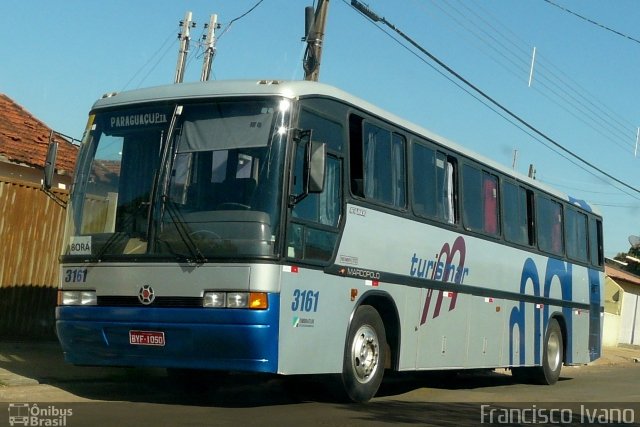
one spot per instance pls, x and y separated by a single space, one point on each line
291 228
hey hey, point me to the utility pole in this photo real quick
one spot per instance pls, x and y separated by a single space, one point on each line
210 50
184 37
314 37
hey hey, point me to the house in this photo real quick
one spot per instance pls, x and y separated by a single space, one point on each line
621 307
23 146
31 222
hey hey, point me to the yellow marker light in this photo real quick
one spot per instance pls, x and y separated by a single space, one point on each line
258 301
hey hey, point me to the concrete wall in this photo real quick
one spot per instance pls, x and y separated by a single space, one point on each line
611 330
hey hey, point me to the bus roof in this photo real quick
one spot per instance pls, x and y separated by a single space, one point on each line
301 89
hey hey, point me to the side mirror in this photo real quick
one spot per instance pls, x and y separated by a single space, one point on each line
50 164
316 166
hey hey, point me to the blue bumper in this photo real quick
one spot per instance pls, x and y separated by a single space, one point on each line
195 338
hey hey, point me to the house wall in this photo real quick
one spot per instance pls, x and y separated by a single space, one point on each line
31 234
12 172
611 330
612 305
630 315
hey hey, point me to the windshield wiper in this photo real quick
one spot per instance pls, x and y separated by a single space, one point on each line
183 231
162 183
118 236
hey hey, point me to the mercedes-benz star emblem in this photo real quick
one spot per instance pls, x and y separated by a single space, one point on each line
146 295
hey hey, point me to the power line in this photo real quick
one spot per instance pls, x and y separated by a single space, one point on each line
560 89
157 52
591 21
368 13
239 18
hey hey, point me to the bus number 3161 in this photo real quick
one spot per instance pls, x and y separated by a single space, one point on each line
305 300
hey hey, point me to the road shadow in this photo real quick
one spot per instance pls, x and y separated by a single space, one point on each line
44 363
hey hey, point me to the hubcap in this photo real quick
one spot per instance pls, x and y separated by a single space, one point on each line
365 353
553 352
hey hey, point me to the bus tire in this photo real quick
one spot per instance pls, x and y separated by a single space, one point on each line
365 355
552 355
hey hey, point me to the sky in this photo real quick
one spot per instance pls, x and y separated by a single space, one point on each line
58 58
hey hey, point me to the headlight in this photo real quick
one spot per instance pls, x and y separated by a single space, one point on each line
251 300
237 299
214 299
77 298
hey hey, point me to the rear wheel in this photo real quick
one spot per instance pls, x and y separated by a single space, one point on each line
552 357
365 355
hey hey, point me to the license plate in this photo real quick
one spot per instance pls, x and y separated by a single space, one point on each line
146 338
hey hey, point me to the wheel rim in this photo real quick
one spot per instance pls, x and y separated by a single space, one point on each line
553 351
365 352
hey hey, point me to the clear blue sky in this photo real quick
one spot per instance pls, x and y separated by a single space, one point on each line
59 57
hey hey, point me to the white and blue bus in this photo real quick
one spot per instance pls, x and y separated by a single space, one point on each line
291 228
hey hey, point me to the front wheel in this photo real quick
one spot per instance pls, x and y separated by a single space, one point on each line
365 355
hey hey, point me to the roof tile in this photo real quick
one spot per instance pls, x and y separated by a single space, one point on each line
24 138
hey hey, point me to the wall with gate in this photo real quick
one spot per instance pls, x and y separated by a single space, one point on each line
31 234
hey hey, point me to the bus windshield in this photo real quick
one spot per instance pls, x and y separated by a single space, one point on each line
190 182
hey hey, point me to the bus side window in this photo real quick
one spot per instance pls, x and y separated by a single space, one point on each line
549 225
433 184
312 233
596 252
378 166
517 214
355 156
480 201
576 235
449 184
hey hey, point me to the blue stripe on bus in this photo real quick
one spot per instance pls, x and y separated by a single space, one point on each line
207 338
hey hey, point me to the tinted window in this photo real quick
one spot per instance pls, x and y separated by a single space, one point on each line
549 225
312 234
383 166
480 201
595 242
516 214
576 231
433 194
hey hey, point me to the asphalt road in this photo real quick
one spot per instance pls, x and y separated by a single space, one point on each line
36 378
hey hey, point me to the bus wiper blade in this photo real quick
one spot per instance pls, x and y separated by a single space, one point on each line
183 232
117 237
